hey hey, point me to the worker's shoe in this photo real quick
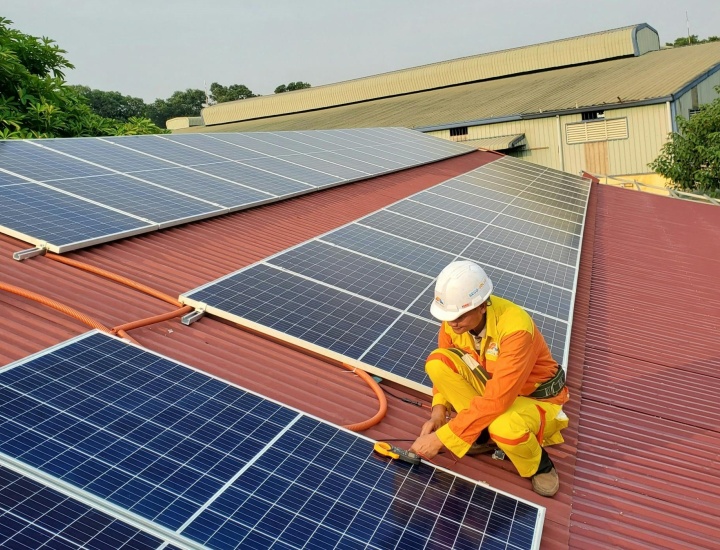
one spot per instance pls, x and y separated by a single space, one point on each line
482 448
483 444
546 484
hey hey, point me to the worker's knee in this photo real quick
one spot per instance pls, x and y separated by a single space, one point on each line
440 363
509 427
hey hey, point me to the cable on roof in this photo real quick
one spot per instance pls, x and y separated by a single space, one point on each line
375 387
115 277
67 310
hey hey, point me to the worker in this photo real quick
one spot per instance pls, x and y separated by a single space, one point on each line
495 371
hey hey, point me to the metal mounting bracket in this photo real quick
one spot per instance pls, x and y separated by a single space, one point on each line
21 255
193 316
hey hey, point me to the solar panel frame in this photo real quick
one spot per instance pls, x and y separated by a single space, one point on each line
307 483
543 282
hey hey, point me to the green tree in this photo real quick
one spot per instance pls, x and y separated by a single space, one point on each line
180 104
292 86
690 159
112 105
221 94
690 40
35 101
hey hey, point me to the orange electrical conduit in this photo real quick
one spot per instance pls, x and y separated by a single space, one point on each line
121 331
67 310
115 277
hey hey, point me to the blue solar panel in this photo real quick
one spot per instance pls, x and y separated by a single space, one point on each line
135 197
384 265
167 180
31 210
191 456
33 515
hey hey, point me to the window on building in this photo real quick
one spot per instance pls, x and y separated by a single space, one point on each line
592 115
462 131
693 112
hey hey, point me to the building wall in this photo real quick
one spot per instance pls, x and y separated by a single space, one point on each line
701 94
647 129
541 136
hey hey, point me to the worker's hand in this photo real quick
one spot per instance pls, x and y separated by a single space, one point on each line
438 418
427 446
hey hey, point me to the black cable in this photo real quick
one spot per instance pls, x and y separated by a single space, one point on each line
405 399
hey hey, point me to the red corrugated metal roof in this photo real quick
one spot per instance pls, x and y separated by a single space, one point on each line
179 259
649 436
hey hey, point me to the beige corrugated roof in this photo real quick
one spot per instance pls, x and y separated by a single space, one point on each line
652 76
497 143
559 53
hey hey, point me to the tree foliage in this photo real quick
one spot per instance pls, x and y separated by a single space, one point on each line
35 101
112 105
292 86
221 94
180 104
691 157
690 40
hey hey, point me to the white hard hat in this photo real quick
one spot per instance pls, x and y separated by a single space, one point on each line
460 287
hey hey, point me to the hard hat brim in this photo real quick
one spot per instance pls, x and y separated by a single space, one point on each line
442 315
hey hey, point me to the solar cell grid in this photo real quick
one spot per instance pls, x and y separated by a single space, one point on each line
48 215
418 231
291 170
549 184
221 150
150 202
40 164
292 141
472 189
533 230
482 199
371 165
7 179
216 189
390 248
308 484
353 272
105 154
563 223
262 183
33 516
338 169
494 182
554 199
534 295
165 149
522 263
463 218
254 142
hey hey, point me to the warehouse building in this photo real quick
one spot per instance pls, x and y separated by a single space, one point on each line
603 102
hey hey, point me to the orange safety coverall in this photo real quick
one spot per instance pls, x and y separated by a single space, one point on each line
517 358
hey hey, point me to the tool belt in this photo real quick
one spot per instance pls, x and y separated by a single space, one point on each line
550 388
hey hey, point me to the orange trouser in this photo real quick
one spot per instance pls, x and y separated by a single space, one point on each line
520 431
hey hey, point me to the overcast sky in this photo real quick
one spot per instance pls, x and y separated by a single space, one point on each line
151 48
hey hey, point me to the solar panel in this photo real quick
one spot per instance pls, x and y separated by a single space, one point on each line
119 186
197 461
33 515
361 293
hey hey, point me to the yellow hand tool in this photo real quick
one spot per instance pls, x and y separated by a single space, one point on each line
386 449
